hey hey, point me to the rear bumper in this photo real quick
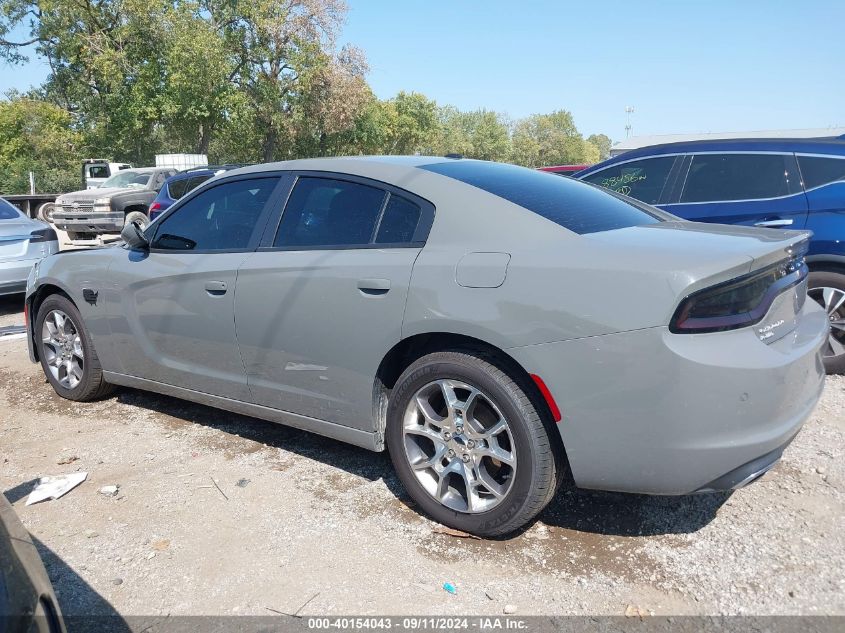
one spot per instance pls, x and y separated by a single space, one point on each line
654 412
89 222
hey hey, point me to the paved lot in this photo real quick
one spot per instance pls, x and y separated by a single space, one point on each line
221 514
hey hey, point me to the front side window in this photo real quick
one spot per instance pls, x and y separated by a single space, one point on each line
817 171
328 212
640 179
723 177
222 218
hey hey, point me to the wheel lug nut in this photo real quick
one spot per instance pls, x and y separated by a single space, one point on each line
451 453
465 457
447 435
470 444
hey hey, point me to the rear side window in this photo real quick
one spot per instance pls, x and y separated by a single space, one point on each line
817 171
567 202
328 212
177 188
723 177
399 221
222 218
640 179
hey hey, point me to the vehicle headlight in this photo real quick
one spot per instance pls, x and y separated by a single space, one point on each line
102 204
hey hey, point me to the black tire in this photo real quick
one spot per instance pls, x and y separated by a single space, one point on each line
91 386
138 217
539 456
834 363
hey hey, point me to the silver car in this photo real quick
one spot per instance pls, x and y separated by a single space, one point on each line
496 329
23 242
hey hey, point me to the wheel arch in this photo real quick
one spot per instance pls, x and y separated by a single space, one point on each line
412 348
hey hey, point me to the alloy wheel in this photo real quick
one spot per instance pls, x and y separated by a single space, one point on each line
459 446
62 345
833 302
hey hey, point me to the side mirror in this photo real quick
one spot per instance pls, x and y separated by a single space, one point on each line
134 238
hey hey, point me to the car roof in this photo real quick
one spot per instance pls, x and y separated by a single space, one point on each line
830 145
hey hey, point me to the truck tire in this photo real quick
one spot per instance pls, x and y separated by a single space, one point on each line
138 218
45 212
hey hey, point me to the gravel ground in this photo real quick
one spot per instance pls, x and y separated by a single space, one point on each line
222 514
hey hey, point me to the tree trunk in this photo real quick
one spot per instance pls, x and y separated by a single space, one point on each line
205 138
269 145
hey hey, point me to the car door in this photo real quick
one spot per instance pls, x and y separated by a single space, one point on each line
824 180
753 188
173 321
321 303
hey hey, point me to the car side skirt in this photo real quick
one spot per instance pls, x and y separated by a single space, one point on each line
365 439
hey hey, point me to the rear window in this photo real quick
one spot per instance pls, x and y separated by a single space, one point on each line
817 171
8 212
177 188
567 202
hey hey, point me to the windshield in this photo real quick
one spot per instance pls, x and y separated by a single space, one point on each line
8 212
128 178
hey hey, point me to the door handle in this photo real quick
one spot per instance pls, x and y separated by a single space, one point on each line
374 287
773 224
216 288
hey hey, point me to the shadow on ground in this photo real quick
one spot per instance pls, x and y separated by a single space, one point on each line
84 610
593 512
12 304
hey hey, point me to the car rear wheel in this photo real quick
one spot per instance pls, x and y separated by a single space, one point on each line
828 290
470 445
66 352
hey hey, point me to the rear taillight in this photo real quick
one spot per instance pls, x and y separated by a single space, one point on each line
155 209
43 235
740 302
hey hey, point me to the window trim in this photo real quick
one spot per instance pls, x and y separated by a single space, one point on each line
682 182
427 212
260 225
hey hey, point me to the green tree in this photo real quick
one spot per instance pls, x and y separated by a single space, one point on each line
481 134
548 139
38 137
602 142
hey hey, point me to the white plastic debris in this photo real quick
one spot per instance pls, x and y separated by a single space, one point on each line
53 487
109 491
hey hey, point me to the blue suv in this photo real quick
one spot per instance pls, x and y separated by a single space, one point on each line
782 183
179 184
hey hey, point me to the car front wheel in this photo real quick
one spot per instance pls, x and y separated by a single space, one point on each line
828 290
66 352
470 445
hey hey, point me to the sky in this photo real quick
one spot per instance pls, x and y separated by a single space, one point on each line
684 66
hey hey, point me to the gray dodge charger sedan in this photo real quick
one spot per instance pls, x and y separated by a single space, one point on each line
495 328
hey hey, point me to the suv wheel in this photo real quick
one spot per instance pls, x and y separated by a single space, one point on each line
469 445
67 353
828 290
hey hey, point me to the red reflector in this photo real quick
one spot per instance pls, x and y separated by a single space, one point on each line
155 206
26 314
547 396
